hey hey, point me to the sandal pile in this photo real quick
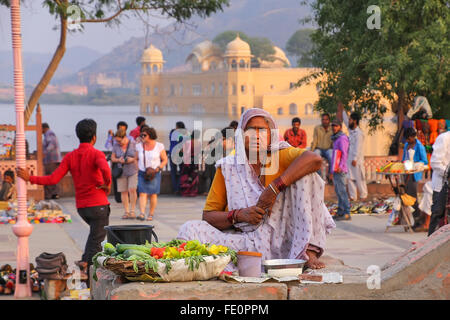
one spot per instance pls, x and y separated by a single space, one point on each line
377 206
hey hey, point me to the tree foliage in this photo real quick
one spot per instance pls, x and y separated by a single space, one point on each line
406 57
262 48
300 46
109 12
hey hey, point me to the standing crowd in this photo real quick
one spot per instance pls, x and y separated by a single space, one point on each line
137 160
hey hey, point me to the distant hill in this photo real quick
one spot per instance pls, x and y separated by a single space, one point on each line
276 20
35 64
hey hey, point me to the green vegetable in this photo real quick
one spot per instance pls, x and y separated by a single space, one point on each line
132 252
109 248
192 245
122 247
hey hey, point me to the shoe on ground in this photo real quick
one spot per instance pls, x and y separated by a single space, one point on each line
420 229
343 217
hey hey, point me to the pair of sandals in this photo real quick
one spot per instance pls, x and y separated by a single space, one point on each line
128 216
142 217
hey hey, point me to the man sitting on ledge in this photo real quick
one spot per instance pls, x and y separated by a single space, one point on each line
269 193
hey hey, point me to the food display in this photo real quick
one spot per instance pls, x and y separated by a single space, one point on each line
399 167
176 260
41 212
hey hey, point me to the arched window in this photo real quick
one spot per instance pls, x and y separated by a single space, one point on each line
280 111
242 109
233 64
242 64
213 89
293 109
148 108
148 90
243 88
155 91
155 68
156 109
220 89
213 66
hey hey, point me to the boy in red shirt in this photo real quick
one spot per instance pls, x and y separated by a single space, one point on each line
92 180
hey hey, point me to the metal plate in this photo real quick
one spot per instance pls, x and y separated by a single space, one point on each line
283 263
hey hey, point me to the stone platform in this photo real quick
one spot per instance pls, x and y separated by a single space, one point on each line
422 272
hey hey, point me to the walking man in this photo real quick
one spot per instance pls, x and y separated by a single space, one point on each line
440 163
296 136
355 162
92 179
176 137
339 170
321 143
52 159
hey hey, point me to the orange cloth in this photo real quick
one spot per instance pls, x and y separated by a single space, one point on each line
441 126
433 130
217 196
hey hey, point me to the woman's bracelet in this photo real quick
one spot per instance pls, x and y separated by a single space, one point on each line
230 216
273 189
235 216
279 184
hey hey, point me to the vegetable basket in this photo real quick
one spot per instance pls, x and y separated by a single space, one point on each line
164 264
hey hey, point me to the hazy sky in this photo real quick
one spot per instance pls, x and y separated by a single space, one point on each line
38 34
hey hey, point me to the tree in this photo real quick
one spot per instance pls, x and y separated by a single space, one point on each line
407 56
91 11
300 45
261 47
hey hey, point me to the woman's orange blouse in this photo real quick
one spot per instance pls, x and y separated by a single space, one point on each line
217 197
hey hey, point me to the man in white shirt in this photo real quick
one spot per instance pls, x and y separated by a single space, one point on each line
355 160
440 163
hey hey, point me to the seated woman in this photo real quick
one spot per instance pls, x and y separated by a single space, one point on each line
275 196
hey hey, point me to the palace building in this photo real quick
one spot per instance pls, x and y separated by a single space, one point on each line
217 83
222 85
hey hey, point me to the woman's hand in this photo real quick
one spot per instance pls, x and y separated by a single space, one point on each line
252 215
266 200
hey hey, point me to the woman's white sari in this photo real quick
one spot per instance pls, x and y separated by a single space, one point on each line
299 216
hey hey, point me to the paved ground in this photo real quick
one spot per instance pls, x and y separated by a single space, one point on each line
359 243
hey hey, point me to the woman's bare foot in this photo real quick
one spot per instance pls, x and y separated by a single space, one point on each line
313 262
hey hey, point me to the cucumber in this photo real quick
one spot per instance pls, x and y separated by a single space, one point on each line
121 247
133 252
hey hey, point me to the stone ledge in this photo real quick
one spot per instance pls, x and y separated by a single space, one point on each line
200 290
109 287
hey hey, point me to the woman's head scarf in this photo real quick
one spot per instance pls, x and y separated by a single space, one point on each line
249 114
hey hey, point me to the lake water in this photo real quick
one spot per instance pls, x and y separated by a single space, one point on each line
62 119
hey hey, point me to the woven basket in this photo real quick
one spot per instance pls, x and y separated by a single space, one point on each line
208 269
125 268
